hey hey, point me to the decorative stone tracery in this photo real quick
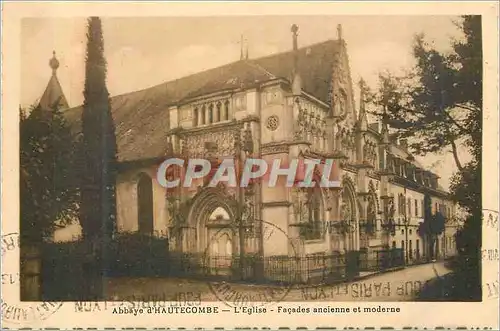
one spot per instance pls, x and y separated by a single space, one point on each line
223 141
310 124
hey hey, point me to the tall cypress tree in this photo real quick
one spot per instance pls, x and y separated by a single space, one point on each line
98 151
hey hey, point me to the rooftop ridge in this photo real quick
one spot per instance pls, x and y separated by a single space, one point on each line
250 61
299 49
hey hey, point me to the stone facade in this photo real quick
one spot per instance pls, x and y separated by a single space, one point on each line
379 204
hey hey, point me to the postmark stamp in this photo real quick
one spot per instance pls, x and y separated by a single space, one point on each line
14 311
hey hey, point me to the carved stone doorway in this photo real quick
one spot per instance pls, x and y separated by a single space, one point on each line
212 233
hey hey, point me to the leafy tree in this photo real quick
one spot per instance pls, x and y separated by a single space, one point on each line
438 104
440 101
432 226
98 158
48 191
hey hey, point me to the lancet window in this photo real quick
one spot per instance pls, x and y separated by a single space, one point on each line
308 210
210 113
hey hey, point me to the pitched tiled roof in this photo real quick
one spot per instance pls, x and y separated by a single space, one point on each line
141 117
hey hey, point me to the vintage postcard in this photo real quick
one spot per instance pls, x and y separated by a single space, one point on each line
250 165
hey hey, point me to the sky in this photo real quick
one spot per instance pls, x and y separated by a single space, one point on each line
142 52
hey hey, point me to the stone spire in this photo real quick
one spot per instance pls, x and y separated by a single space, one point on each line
53 95
362 118
296 80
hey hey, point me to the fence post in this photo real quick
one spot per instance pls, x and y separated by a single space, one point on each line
352 262
31 266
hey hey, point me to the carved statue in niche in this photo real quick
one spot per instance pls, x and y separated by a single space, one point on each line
248 209
345 140
341 72
390 208
301 116
369 152
345 207
342 101
311 116
338 139
371 212
348 140
183 146
345 211
365 152
299 200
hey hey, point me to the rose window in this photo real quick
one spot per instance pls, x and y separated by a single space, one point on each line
272 122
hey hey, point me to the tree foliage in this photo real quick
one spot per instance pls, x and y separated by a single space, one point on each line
98 144
432 226
438 104
48 191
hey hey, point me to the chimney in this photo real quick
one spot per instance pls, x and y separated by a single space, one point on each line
295 30
296 80
339 31
241 48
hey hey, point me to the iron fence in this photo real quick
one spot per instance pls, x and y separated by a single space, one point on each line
377 260
65 264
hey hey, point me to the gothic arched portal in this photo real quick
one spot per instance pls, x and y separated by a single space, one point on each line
211 230
211 215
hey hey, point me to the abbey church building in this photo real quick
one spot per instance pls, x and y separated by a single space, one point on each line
298 104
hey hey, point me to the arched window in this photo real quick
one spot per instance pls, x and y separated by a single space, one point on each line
195 117
218 112
314 214
210 114
308 210
229 247
348 213
215 248
203 115
145 204
401 205
226 111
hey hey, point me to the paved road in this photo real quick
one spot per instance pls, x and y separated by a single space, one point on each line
401 285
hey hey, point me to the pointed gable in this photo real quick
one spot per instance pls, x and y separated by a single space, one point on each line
53 95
